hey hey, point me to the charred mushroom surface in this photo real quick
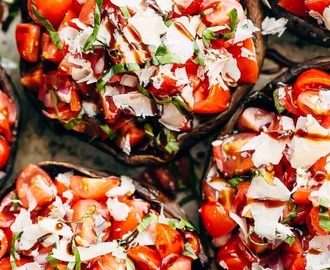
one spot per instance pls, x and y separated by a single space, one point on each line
263 201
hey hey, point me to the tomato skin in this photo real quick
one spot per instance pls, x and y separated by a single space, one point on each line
296 7
216 220
85 225
317 5
168 240
4 152
145 258
49 51
213 100
92 188
108 262
248 67
7 108
86 14
228 158
3 243
139 209
52 10
181 263
301 196
28 41
34 181
318 170
314 220
292 253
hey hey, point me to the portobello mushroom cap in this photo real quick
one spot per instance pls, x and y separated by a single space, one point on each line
208 123
144 191
306 28
261 99
7 86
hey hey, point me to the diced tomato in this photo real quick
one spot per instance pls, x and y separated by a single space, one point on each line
317 5
145 258
138 209
296 7
312 79
166 89
67 20
128 129
108 261
211 100
52 10
110 110
3 243
4 152
228 157
216 219
318 170
181 263
7 108
92 188
33 78
314 219
85 213
5 263
49 51
246 64
235 255
86 14
34 186
302 196
309 102
28 41
289 103
168 240
240 200
293 252
192 238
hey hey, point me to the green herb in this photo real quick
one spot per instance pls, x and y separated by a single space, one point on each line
16 202
172 145
324 219
290 240
200 55
76 254
323 202
188 251
125 12
16 236
163 57
52 261
207 36
279 107
129 264
146 221
235 181
111 134
184 224
116 69
233 24
293 214
72 123
251 231
181 106
97 22
54 100
168 23
148 130
52 32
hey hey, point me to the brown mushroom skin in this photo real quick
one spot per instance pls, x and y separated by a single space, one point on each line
261 99
143 190
305 28
7 86
209 124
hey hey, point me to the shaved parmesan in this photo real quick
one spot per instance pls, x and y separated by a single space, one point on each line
245 30
172 118
241 223
271 26
260 189
118 210
320 259
164 5
126 187
322 194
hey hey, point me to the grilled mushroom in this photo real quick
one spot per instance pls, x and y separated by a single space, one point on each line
166 146
254 145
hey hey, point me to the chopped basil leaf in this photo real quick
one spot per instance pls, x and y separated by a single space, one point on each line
54 100
207 36
168 23
129 264
142 90
16 236
162 57
233 24
52 261
184 224
279 107
97 21
146 221
290 240
181 106
293 214
235 181
188 251
148 130
52 32
111 134
116 69
200 56
76 254
71 124
323 202
324 219
172 145
125 12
